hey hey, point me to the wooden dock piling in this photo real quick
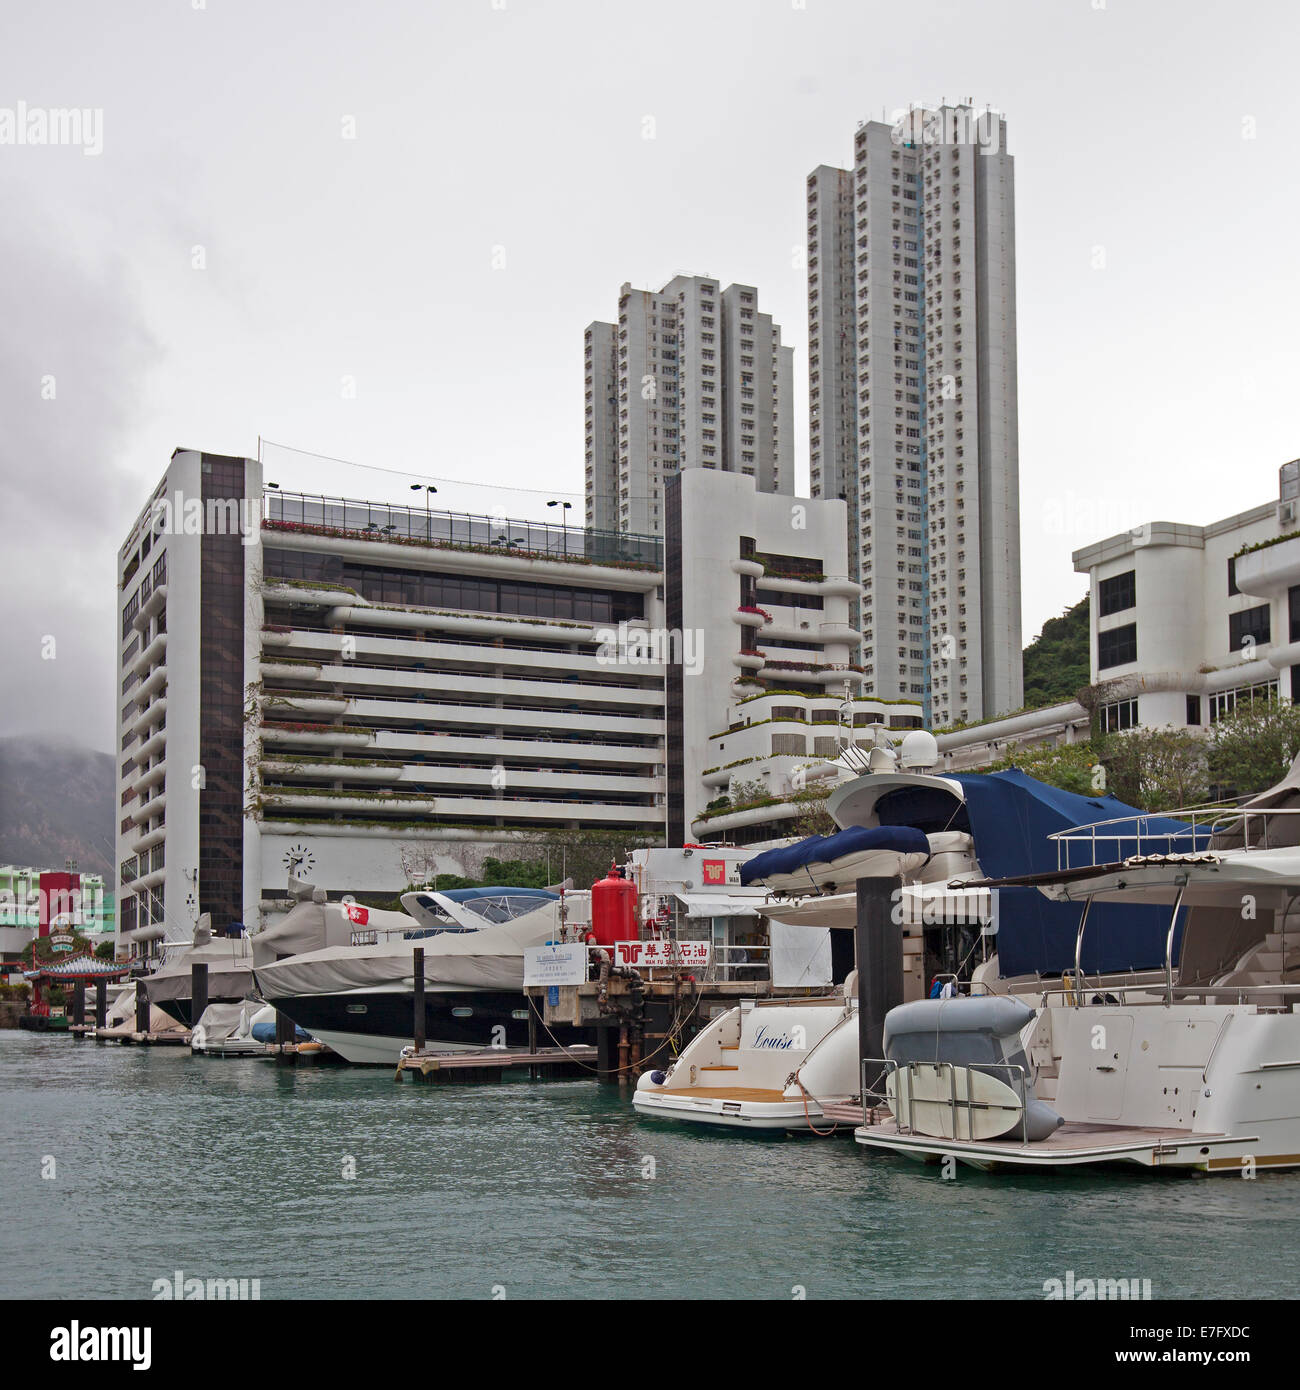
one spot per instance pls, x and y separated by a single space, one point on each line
417 994
198 991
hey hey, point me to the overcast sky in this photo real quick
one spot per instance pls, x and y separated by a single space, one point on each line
498 190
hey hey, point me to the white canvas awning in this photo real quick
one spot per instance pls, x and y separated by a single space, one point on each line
720 905
930 904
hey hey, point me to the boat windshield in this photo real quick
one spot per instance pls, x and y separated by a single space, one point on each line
492 906
505 906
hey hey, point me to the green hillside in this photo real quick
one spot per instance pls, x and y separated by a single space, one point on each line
1056 661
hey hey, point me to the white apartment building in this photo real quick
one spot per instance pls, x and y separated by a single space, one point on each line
778 689
912 399
1185 622
691 376
360 695
1188 620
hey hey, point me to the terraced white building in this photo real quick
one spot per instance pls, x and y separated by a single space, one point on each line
361 695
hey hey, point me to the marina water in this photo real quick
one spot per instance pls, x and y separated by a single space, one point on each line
234 1169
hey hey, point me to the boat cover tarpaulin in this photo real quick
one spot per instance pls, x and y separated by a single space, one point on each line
230 970
1011 816
339 969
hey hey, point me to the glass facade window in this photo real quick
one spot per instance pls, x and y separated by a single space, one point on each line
422 589
1117 646
1117 593
1119 714
1250 626
1225 701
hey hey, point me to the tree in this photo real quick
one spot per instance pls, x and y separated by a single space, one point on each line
1252 748
1156 769
744 792
813 817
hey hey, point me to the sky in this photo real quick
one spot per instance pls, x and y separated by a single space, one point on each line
375 232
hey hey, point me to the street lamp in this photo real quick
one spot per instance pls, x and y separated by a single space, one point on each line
564 518
428 490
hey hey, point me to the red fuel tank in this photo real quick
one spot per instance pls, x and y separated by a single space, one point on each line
613 909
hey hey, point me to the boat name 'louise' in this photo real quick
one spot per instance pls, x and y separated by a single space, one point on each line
765 1039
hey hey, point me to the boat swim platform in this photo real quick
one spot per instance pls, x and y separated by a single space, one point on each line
478 1068
1076 1143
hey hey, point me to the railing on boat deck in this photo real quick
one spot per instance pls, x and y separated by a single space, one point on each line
1201 824
1116 995
905 1095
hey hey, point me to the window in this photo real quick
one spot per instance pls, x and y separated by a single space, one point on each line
1225 701
1249 626
1116 594
1233 591
1119 714
1117 646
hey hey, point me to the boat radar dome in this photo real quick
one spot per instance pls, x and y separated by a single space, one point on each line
919 749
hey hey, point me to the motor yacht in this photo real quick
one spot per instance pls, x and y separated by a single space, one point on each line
775 1064
1201 1075
345 972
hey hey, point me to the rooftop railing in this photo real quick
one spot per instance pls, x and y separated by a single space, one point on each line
462 530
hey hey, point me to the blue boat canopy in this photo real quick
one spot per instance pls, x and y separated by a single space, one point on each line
826 849
1010 816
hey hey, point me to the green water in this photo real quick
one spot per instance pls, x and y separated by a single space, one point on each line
234 1168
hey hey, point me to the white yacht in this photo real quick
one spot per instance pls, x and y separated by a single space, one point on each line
776 1064
767 1065
345 973
1204 1075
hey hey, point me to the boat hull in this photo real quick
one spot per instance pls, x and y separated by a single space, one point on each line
780 1116
370 1028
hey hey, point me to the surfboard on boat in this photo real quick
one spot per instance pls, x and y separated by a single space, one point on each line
922 1095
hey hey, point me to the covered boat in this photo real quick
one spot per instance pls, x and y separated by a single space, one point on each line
357 994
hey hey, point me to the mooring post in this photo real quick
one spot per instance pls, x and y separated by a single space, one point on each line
198 991
417 996
878 944
285 1032
141 1007
101 1002
533 1073
605 1054
79 1003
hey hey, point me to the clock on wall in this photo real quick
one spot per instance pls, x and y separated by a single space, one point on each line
299 861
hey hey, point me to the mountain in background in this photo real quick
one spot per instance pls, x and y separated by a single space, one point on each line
56 803
1056 663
